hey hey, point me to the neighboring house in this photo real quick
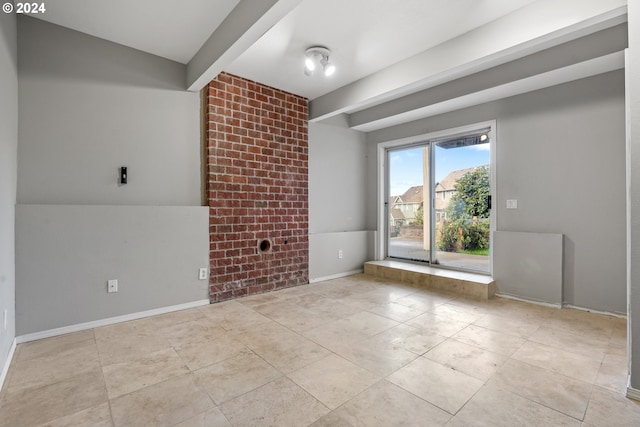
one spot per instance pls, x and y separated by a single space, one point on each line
396 217
441 208
403 209
393 200
396 220
446 188
410 202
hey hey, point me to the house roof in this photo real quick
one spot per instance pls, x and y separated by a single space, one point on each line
414 194
396 213
448 183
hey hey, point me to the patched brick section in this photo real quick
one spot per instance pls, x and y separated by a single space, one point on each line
257 186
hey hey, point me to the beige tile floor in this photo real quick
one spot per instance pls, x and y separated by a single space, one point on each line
346 352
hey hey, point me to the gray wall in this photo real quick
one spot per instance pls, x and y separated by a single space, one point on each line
8 164
324 263
337 177
66 254
561 152
87 107
633 135
337 199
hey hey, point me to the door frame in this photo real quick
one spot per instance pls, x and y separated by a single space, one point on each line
381 246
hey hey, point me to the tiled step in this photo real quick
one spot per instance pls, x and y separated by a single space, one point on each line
477 286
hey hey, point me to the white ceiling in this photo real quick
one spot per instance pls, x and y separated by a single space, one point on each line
172 29
364 35
385 51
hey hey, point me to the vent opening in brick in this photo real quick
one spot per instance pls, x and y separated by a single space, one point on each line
265 246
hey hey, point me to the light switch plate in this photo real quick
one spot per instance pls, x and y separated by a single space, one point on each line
512 204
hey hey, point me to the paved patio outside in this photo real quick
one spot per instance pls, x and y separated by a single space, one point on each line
406 248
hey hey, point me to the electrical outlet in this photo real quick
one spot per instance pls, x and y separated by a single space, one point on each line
512 204
203 273
339 253
112 286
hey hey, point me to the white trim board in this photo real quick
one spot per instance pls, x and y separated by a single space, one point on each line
336 276
109 321
528 301
590 310
7 363
633 393
558 306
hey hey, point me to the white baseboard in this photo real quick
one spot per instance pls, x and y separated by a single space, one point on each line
544 304
109 321
336 276
7 363
606 313
633 393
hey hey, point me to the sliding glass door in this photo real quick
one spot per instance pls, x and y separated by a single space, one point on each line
439 201
408 186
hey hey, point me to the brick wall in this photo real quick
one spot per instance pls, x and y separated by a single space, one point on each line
257 187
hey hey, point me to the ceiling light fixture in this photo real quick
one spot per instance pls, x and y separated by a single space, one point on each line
318 55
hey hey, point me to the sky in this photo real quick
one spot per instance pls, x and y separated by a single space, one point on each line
406 165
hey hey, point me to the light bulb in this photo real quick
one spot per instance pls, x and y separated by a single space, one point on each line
309 64
329 69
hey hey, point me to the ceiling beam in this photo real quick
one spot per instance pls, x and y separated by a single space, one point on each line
521 33
414 106
581 70
246 23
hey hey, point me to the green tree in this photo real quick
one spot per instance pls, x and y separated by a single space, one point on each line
460 232
457 209
472 195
